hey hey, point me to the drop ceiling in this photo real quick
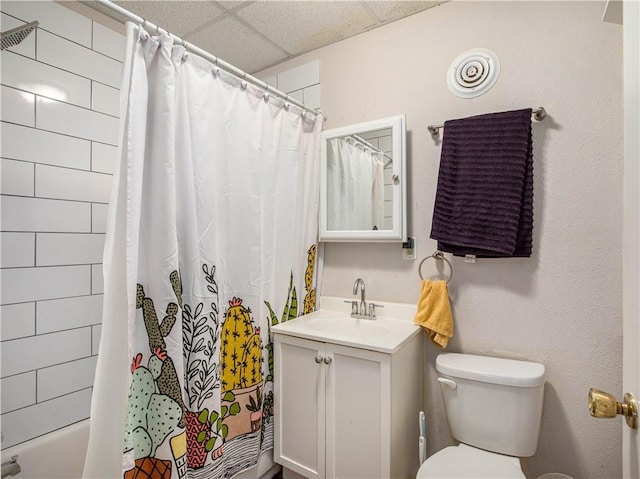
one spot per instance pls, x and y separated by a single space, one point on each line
254 35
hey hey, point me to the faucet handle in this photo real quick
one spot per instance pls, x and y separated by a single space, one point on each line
372 309
354 306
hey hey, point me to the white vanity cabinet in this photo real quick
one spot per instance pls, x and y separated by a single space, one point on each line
344 411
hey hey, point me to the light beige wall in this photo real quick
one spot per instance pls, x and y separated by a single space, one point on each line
561 307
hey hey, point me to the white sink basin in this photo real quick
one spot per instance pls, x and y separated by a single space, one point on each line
333 322
384 334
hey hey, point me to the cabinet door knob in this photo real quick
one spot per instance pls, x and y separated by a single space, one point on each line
327 359
319 359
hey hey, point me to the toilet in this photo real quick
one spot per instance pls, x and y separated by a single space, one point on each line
494 408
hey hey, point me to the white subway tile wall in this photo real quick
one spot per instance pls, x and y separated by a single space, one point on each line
19 106
18 391
71 120
96 335
103 158
43 147
99 218
17 249
299 77
60 107
60 21
108 42
21 213
68 313
17 177
68 184
18 321
301 83
65 378
46 416
26 75
97 281
105 99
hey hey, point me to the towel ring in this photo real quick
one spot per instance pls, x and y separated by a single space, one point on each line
436 255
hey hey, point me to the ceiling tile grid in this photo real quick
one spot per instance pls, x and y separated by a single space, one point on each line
178 17
299 26
254 35
234 42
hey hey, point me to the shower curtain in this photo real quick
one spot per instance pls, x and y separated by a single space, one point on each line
377 190
211 241
354 187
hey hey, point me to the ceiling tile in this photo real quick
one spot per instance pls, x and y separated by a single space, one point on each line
301 26
237 44
388 11
179 17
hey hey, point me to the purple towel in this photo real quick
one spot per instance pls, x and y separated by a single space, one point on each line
484 200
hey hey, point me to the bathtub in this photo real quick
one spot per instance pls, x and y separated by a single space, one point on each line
57 455
60 455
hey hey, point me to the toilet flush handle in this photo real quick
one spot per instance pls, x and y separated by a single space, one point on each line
450 383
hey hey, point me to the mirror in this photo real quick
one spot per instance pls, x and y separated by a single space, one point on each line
362 192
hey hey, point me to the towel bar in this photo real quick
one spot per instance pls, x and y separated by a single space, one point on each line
436 255
538 114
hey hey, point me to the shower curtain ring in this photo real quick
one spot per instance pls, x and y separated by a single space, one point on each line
143 34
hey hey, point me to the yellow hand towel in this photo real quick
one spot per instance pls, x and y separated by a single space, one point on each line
434 312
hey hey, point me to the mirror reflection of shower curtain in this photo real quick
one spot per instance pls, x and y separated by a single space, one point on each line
355 188
377 191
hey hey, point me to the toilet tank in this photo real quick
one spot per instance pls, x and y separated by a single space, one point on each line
492 403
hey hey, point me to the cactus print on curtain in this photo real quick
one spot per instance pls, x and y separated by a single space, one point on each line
217 231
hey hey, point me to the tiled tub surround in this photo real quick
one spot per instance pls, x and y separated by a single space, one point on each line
60 102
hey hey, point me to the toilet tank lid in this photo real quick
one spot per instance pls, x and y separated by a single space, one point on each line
508 372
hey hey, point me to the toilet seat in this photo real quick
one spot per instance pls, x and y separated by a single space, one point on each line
466 462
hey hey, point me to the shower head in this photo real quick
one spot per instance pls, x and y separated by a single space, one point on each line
13 37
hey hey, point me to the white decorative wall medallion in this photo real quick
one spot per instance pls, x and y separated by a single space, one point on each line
473 73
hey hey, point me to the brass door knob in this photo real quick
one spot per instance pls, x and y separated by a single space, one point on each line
604 405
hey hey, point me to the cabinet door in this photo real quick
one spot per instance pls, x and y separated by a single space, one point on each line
299 442
358 413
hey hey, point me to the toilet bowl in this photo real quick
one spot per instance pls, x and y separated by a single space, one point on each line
494 408
457 462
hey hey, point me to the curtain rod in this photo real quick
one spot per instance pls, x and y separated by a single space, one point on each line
150 27
538 114
370 146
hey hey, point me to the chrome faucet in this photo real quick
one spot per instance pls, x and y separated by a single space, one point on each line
11 468
362 310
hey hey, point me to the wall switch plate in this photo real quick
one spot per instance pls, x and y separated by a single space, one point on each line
409 249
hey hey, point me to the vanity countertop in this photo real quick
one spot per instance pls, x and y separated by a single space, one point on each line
386 334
